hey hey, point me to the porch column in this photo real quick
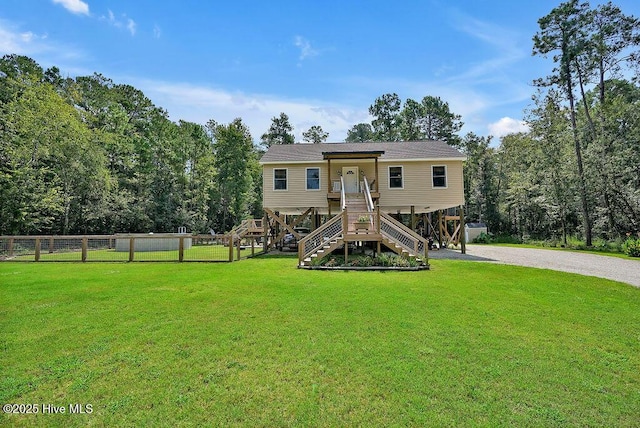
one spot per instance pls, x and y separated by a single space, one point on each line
376 176
329 183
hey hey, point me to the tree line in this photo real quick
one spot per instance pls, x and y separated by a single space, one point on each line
576 172
87 155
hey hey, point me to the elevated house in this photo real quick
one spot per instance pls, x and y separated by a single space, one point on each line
352 192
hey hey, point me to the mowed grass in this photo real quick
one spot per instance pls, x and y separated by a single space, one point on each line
261 343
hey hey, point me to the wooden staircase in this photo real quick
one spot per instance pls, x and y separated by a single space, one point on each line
341 229
356 207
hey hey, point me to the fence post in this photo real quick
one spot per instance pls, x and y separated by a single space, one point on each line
131 248
37 249
50 244
10 247
239 247
181 249
85 242
253 246
230 247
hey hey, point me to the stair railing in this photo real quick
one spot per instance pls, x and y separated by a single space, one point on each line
401 235
367 195
369 200
239 231
320 237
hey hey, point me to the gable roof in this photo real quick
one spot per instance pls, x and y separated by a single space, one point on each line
400 150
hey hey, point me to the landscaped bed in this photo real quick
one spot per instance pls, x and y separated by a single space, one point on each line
381 262
259 342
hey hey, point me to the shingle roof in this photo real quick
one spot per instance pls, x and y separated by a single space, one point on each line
405 150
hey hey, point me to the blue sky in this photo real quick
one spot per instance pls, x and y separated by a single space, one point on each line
322 63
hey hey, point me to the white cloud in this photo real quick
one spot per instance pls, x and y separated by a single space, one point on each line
14 41
74 6
306 50
507 125
111 18
200 104
157 32
131 26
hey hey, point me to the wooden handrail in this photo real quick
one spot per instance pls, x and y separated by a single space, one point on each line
367 196
408 233
400 225
319 231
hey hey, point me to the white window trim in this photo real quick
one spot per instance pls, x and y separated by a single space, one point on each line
389 177
274 180
306 178
446 177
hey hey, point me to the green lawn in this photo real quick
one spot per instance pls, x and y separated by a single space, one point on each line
598 251
261 343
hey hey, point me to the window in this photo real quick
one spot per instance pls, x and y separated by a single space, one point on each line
279 179
313 178
439 174
395 177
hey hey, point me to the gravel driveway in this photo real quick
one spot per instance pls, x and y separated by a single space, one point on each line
589 264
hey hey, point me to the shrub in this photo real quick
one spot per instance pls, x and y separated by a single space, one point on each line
318 261
361 261
631 247
507 239
365 261
383 260
413 262
399 261
483 238
335 261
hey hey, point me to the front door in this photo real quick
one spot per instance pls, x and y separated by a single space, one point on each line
351 176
